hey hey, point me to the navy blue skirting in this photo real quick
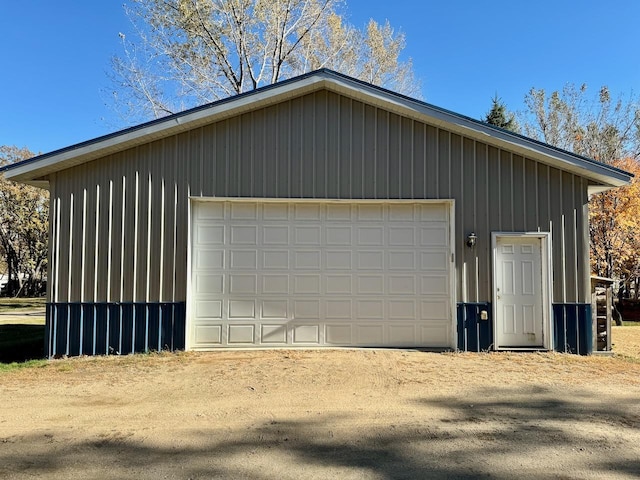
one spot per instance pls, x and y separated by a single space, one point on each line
572 327
113 328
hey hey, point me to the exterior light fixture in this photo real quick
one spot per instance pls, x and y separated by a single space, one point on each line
471 240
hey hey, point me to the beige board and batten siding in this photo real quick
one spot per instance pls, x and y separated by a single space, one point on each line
128 212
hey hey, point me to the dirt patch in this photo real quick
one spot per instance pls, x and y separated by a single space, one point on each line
349 414
626 341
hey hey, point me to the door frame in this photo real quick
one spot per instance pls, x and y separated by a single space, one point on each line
547 286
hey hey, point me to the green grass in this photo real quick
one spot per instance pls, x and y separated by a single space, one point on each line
8 367
18 304
629 323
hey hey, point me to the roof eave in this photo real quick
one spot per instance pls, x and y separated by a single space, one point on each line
38 168
609 176
43 165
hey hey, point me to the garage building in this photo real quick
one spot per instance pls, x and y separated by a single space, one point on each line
317 212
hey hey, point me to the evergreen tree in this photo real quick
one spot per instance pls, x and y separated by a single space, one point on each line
500 117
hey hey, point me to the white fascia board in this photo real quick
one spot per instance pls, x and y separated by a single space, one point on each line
593 189
155 130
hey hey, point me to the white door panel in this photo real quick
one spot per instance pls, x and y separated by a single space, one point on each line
269 274
520 293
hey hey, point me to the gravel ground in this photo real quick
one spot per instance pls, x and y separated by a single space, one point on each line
348 414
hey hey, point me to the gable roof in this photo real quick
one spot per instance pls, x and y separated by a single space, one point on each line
35 170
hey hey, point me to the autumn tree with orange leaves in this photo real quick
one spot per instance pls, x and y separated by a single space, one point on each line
24 220
614 225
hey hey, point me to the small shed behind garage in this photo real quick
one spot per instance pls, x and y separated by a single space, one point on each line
319 211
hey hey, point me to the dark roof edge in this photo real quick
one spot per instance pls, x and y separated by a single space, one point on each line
516 138
160 120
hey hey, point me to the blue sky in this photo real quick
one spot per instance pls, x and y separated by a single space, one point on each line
56 57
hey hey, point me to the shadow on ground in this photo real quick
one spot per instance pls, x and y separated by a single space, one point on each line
484 435
20 342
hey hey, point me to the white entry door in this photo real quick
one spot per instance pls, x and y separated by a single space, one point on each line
521 292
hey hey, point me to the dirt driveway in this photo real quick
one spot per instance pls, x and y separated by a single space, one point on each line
344 414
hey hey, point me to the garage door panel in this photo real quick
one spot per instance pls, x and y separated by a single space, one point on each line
434 309
369 334
338 235
401 260
312 274
306 334
402 284
307 235
434 285
243 259
307 284
402 213
277 211
370 236
208 309
273 334
338 284
339 212
275 235
338 260
244 235
370 284
434 236
275 260
208 284
274 309
402 309
241 334
309 259
370 212
436 334
243 309
206 234
369 309
306 309
208 334
275 284
403 335
370 260
339 309
209 259
402 236
240 284
339 334
213 211
434 261
307 212
244 211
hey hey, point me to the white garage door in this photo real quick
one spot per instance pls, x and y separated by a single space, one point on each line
311 273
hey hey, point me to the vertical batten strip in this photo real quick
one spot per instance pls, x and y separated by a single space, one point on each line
122 252
136 210
161 259
83 260
71 206
576 268
95 268
147 298
175 254
563 248
109 272
56 288
488 277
